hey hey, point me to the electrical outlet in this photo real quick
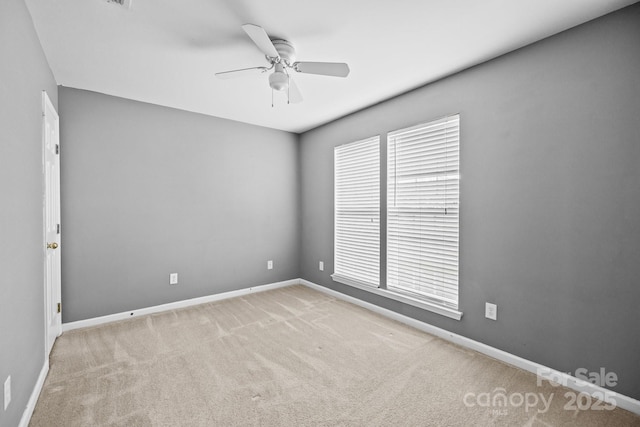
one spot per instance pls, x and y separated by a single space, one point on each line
270 265
321 266
491 311
7 392
173 278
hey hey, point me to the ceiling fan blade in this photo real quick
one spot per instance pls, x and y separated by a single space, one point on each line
241 73
295 96
336 69
261 39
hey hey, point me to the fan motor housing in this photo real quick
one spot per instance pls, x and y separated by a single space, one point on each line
286 51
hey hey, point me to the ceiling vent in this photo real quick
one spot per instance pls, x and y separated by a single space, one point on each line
124 3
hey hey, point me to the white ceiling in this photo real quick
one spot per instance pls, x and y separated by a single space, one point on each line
167 52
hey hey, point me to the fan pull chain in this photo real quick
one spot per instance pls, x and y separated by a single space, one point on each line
288 86
271 97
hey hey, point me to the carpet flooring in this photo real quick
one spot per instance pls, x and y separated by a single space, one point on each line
289 357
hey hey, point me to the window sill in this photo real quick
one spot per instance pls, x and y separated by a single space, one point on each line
424 305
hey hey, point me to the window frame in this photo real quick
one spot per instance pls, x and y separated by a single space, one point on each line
347 275
442 288
381 289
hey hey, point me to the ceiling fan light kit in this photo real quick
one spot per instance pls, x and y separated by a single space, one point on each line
280 54
279 80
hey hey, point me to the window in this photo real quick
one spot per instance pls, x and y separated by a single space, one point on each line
422 211
357 213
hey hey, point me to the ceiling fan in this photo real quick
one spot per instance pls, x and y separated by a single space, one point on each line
280 55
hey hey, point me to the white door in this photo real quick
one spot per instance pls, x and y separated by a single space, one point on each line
51 154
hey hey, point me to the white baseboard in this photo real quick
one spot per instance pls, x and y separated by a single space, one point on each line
173 305
35 394
567 380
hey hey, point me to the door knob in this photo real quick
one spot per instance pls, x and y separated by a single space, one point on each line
53 245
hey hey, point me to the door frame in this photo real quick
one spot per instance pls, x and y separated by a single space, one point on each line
49 289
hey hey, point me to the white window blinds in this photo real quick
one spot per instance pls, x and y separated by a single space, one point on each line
357 212
422 210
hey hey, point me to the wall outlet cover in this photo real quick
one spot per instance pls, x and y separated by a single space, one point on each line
173 278
270 265
321 266
491 311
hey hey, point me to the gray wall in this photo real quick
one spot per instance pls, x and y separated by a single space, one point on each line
149 190
24 75
550 200
550 197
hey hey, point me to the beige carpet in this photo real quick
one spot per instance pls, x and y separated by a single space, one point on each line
287 357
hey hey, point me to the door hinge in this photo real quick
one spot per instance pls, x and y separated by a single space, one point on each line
59 307
57 149
57 228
